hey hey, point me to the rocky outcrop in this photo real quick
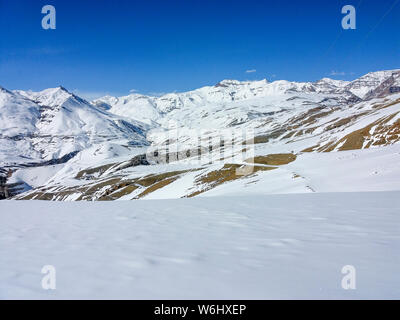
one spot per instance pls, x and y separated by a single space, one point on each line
8 190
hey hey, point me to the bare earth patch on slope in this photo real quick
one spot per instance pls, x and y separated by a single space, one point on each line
380 132
274 159
228 173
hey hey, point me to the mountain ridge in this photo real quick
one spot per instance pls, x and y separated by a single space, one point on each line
137 146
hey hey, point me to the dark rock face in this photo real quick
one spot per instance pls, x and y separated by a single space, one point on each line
4 187
8 190
3 180
394 89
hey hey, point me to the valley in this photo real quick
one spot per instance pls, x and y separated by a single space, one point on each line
223 139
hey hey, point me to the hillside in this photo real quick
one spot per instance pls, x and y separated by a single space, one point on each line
255 137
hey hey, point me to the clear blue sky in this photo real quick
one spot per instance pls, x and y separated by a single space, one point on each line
151 46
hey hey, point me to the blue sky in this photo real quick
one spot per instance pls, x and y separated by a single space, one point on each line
152 46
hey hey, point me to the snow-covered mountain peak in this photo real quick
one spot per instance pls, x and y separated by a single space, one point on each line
3 90
379 75
18 114
333 82
135 106
56 97
54 123
106 99
362 86
151 109
235 83
227 82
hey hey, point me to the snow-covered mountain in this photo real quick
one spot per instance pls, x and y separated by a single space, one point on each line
47 125
226 91
140 146
135 106
232 146
371 81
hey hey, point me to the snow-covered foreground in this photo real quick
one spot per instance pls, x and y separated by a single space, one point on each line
273 246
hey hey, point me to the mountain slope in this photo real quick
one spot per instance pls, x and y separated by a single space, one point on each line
369 82
214 139
54 122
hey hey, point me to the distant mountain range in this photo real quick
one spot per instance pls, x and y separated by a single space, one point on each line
55 145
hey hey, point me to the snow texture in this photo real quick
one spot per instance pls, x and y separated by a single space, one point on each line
253 247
